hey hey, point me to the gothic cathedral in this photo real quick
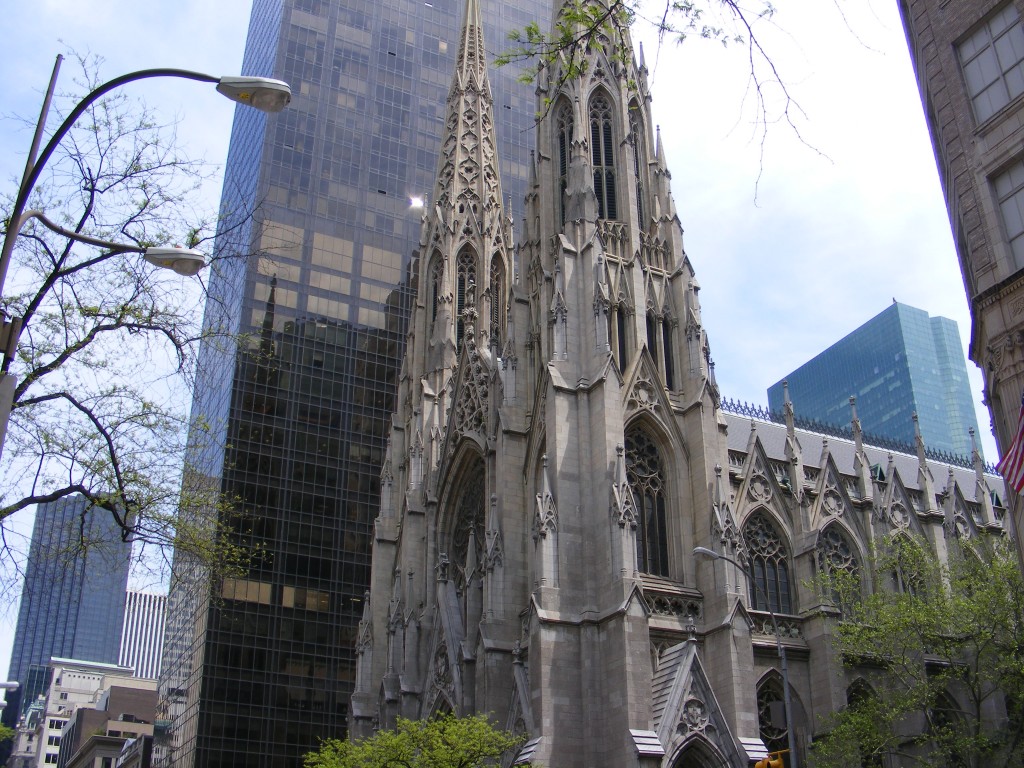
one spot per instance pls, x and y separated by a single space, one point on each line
560 448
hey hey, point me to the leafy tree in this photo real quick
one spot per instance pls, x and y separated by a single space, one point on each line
109 344
6 734
443 742
936 656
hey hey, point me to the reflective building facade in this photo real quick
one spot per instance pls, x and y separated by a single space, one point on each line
293 425
72 603
898 363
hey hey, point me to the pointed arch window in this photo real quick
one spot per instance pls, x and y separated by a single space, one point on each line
666 350
564 129
652 335
771 716
838 562
908 567
861 698
946 725
602 156
769 564
618 331
470 517
465 269
645 472
636 139
497 289
436 273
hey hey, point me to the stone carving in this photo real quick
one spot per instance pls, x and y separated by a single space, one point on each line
759 489
471 408
547 515
694 717
642 396
679 606
899 517
623 502
832 503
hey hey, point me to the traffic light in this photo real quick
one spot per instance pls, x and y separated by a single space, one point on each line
772 760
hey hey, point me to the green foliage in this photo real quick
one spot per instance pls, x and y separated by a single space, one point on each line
936 655
6 734
444 742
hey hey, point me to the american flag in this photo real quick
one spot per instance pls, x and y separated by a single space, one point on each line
1011 467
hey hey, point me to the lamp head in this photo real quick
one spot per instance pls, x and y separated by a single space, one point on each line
185 261
262 93
705 552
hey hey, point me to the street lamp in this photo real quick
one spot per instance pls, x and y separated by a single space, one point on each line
262 93
712 555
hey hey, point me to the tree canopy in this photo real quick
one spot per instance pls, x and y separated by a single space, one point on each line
443 742
935 656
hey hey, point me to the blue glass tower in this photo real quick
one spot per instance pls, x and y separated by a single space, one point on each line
72 602
292 423
898 363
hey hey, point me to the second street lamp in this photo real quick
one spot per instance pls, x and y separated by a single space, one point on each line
712 555
262 93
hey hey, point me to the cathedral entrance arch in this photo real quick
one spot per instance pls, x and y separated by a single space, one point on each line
698 753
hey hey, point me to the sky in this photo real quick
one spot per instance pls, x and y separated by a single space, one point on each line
795 240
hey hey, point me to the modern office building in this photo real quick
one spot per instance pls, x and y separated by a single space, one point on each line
294 424
898 363
72 601
969 61
142 635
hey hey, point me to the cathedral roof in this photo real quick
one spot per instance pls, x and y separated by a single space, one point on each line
773 439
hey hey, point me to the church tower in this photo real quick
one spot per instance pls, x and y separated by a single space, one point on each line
557 450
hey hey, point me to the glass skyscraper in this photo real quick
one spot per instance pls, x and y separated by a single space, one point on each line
898 363
292 425
72 602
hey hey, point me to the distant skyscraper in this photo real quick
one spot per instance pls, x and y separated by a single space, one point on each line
72 602
898 363
295 423
142 636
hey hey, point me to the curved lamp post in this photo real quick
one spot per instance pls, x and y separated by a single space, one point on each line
712 555
262 93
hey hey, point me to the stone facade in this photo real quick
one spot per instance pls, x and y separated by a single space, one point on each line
974 105
560 447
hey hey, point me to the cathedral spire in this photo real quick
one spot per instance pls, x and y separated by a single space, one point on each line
471 61
468 170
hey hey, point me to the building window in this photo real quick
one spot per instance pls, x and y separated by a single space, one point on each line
564 128
646 476
436 275
992 59
836 559
470 516
1009 188
769 563
771 716
602 156
50 758
636 139
666 349
908 572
